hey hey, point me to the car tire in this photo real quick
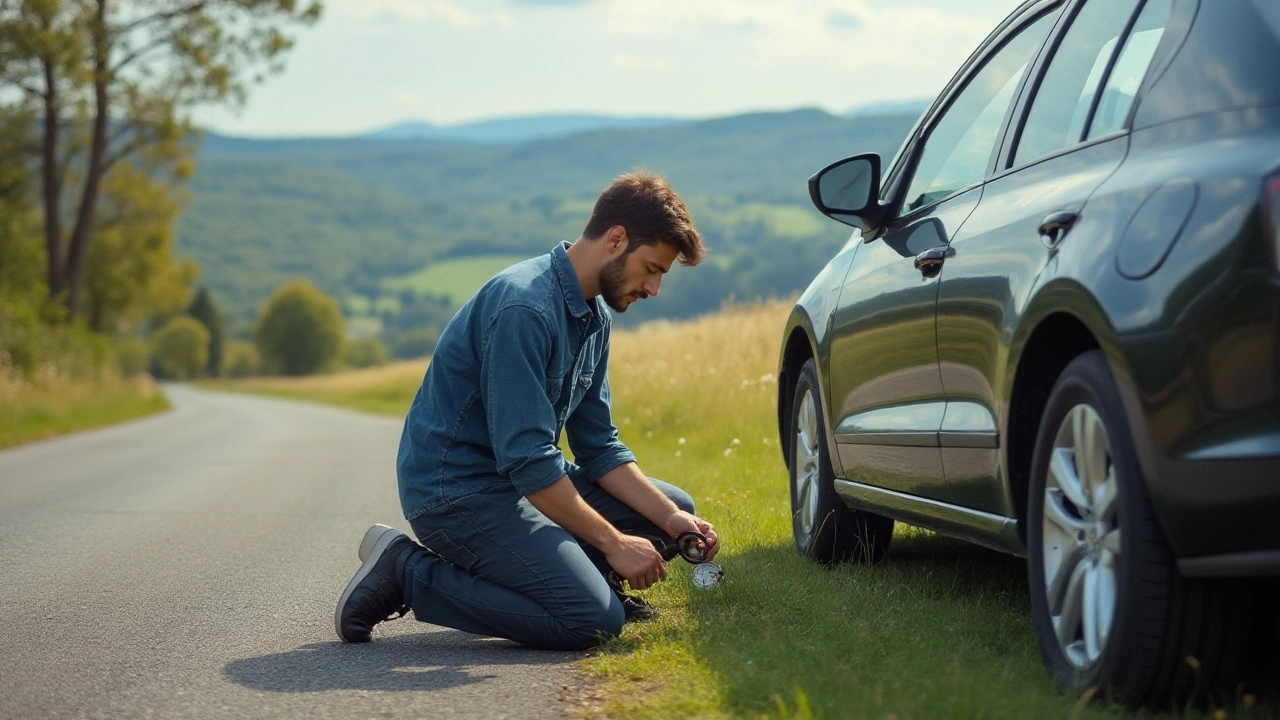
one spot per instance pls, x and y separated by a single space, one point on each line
1110 610
825 529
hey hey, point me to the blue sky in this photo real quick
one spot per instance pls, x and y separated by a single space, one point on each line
373 63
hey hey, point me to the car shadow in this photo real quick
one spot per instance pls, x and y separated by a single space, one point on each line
413 662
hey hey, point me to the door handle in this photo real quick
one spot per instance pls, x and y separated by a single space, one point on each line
929 262
1056 226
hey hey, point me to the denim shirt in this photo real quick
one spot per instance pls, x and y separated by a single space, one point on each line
525 358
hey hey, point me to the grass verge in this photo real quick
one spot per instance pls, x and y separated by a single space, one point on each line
387 389
52 404
942 629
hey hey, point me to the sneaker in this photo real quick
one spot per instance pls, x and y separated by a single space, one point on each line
371 538
375 593
637 608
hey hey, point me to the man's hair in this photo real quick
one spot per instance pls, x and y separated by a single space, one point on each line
644 204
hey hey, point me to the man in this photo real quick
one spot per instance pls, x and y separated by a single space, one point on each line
519 542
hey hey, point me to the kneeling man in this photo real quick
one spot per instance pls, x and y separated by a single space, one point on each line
516 541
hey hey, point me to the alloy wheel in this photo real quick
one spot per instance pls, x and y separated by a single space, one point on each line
1082 541
807 462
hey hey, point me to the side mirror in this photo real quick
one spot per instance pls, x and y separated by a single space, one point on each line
848 191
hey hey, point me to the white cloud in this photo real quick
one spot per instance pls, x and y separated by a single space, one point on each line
624 61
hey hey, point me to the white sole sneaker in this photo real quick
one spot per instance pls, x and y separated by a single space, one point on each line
378 539
371 538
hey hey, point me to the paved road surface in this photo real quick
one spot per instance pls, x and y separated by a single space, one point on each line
188 564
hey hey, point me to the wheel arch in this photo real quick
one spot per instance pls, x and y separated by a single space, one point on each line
797 349
1062 323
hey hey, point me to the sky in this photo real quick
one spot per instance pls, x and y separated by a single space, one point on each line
369 64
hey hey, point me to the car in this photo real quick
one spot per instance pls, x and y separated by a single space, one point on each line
1055 332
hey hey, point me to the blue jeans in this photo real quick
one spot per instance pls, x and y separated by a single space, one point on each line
499 567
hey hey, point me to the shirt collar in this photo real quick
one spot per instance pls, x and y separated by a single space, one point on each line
577 305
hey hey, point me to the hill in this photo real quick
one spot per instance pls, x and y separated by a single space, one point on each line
517 129
354 214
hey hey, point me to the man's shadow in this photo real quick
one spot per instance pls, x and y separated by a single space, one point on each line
411 662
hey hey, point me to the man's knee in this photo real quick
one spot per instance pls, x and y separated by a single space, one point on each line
604 623
680 498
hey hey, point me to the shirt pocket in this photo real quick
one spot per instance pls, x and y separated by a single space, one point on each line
555 384
580 389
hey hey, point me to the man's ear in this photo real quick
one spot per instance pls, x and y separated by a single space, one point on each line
615 239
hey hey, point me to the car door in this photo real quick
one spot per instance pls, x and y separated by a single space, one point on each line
887 396
1065 142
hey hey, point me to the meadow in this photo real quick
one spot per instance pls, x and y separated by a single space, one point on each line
941 629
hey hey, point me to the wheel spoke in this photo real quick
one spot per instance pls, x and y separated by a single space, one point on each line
1089 611
1062 471
1104 496
1111 542
1072 600
1055 511
1091 450
1058 586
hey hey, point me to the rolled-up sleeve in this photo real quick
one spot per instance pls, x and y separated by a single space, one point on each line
513 389
593 437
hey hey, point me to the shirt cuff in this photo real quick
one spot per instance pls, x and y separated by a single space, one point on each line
538 475
610 458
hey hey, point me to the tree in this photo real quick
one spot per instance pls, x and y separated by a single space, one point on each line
113 81
180 349
203 309
365 352
300 330
132 272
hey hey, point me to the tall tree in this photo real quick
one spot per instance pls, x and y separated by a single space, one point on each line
115 80
203 309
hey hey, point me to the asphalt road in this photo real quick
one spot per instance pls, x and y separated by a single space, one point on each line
188 564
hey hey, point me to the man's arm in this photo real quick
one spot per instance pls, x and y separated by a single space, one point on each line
634 558
627 483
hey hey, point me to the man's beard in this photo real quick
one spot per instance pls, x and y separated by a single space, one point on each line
612 278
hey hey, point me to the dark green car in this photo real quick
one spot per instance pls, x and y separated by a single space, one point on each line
1058 335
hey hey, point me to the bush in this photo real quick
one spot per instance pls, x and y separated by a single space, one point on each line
414 344
180 349
300 330
132 355
240 359
29 341
367 352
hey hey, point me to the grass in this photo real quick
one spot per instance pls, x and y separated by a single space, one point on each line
942 629
456 279
54 404
387 389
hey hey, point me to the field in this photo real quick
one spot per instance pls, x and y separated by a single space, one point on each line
457 279
53 404
940 630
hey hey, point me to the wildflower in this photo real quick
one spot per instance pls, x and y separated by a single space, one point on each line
728 451
680 441
736 441
677 453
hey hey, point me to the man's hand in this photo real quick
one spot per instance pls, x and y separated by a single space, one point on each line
681 521
636 560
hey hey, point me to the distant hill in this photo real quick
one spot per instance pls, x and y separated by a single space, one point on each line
355 214
904 107
518 129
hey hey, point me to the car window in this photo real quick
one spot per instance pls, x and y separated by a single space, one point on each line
1135 58
1062 101
958 149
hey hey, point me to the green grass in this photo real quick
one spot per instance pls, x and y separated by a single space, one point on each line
941 629
457 279
29 413
385 390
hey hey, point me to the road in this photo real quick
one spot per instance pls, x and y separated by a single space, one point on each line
188 564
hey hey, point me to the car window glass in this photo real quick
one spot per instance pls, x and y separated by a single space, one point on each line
1122 86
1061 105
959 146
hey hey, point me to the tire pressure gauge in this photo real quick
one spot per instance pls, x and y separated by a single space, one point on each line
707 575
693 547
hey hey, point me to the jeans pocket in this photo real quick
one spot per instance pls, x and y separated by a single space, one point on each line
442 545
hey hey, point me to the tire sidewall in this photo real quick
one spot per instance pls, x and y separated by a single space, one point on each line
810 544
1087 380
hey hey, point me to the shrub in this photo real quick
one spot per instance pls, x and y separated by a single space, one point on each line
300 330
132 355
180 349
203 309
240 360
366 352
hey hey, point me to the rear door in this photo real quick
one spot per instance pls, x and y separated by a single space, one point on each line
1062 145
887 395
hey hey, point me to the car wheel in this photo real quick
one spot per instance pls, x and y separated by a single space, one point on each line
1110 610
825 528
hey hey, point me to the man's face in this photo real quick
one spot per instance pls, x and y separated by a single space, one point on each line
635 275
